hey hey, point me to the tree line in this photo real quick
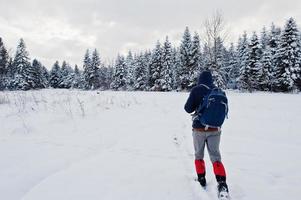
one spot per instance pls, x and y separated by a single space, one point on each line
270 61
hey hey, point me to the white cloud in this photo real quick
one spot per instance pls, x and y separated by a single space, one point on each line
64 29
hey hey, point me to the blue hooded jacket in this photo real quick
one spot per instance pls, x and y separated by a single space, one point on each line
197 94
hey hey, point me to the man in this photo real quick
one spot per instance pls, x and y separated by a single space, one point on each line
205 135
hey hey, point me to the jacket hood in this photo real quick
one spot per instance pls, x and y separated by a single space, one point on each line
205 78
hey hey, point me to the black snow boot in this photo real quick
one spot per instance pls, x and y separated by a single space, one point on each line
202 180
223 192
222 187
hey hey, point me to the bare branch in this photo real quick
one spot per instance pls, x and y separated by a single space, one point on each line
215 29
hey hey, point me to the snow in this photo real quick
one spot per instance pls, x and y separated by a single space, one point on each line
69 144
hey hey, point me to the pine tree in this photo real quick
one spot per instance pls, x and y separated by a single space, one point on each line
140 73
274 38
4 61
254 65
30 75
67 76
268 43
38 75
233 68
102 77
147 58
185 60
206 57
130 66
119 77
94 73
24 75
78 80
218 66
10 74
76 70
243 51
264 39
44 77
109 76
4 58
155 68
195 61
166 73
274 41
55 75
266 62
176 67
287 72
87 70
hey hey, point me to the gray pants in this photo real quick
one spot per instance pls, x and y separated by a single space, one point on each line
212 140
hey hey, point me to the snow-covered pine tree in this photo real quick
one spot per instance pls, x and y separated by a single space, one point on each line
24 78
166 72
233 68
195 60
67 76
94 73
242 61
274 41
119 77
102 77
254 64
76 70
147 56
155 68
78 81
266 54
38 76
4 60
266 77
55 75
206 57
130 66
264 39
217 62
140 73
288 55
10 74
202 61
266 62
44 77
31 75
176 67
274 38
87 70
185 60
109 76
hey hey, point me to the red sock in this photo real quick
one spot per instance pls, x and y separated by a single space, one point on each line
219 169
200 166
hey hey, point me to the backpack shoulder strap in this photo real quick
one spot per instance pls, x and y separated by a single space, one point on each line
202 105
205 86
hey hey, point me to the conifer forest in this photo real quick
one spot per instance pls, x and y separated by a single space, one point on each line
265 61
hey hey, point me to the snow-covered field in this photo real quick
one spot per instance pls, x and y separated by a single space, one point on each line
88 145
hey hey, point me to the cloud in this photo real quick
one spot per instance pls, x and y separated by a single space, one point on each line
64 29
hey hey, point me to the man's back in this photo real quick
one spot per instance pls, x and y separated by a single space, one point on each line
197 94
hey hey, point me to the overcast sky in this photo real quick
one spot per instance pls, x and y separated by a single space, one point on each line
64 29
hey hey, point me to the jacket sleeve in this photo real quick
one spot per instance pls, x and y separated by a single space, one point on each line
190 105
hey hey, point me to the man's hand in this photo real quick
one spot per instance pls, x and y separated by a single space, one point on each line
194 115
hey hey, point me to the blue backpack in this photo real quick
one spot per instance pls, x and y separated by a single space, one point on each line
214 109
